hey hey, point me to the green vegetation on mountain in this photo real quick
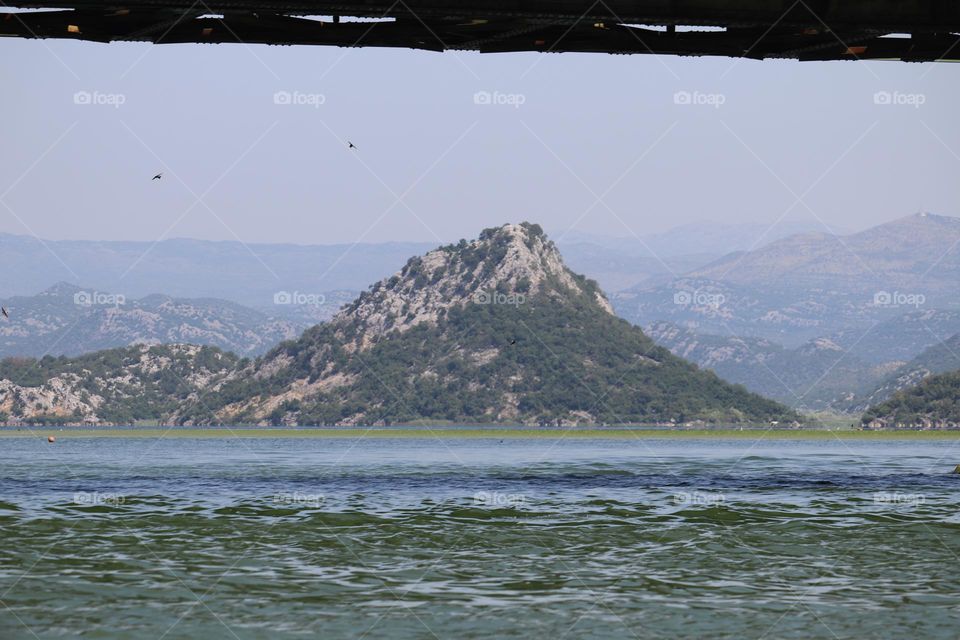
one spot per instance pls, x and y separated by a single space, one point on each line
940 358
492 331
496 330
935 402
119 386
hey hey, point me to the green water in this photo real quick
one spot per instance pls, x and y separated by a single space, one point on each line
482 538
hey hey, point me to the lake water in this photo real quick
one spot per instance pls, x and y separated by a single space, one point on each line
454 538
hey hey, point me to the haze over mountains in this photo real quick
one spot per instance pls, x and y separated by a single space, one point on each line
814 320
910 254
707 237
251 273
813 285
810 377
943 357
248 274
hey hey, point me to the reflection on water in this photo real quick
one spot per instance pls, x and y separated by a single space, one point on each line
345 538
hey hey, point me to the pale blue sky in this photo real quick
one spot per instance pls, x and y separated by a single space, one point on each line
590 126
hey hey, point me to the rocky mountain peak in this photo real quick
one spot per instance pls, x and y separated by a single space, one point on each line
505 265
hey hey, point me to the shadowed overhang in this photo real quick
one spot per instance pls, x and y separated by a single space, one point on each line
908 30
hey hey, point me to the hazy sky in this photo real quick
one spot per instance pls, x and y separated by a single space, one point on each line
599 142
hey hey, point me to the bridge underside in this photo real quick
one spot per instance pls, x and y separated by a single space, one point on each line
909 30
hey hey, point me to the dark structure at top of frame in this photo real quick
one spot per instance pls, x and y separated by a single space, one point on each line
908 30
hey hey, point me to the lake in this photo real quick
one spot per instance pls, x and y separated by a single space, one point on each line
444 537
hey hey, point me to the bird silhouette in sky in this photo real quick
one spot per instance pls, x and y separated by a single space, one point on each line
157 177
350 145
4 311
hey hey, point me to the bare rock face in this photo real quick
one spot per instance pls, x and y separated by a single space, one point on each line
509 263
117 386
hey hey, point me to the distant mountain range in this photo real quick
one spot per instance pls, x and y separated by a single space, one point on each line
912 255
814 320
901 338
497 330
817 376
706 238
851 289
622 263
252 273
810 377
69 320
943 357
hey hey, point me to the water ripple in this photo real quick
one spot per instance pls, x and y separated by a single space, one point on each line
407 539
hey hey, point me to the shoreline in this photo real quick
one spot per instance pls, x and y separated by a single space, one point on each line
414 432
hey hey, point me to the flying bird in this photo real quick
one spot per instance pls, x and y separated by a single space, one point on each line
350 145
157 177
4 311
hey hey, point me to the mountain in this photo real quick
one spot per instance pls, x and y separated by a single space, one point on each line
808 378
940 358
252 273
68 320
932 404
714 307
916 254
497 330
118 386
901 338
703 238
823 286
622 263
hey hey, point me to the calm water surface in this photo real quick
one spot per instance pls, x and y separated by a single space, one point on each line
408 538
